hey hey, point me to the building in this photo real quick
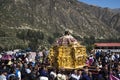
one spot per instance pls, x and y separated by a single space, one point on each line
107 47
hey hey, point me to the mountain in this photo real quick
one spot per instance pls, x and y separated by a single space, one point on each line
24 22
116 10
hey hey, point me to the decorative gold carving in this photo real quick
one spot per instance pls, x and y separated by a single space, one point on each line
68 56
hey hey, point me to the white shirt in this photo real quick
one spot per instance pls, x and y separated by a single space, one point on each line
113 57
61 76
75 76
53 73
3 77
28 70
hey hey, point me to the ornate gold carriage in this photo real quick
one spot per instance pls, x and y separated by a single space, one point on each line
67 53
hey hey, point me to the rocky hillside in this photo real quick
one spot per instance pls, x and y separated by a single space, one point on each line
117 10
23 21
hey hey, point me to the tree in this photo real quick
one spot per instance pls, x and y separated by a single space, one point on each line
50 40
2 33
40 35
56 34
22 34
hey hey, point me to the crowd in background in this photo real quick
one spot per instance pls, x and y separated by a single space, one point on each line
99 66
107 64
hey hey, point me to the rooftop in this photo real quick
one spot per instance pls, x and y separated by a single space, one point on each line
107 44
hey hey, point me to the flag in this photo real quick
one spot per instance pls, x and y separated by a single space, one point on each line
112 77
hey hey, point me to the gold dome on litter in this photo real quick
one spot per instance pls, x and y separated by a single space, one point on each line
67 53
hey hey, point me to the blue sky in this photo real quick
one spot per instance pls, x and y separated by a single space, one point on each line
104 3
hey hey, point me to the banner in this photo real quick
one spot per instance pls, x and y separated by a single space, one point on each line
113 77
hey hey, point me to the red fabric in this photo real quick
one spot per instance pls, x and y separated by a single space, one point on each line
113 77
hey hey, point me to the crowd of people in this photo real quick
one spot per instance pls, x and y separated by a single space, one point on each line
99 66
106 64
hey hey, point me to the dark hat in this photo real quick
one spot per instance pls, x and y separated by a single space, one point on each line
67 32
4 70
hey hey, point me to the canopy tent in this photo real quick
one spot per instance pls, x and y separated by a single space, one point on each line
6 57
